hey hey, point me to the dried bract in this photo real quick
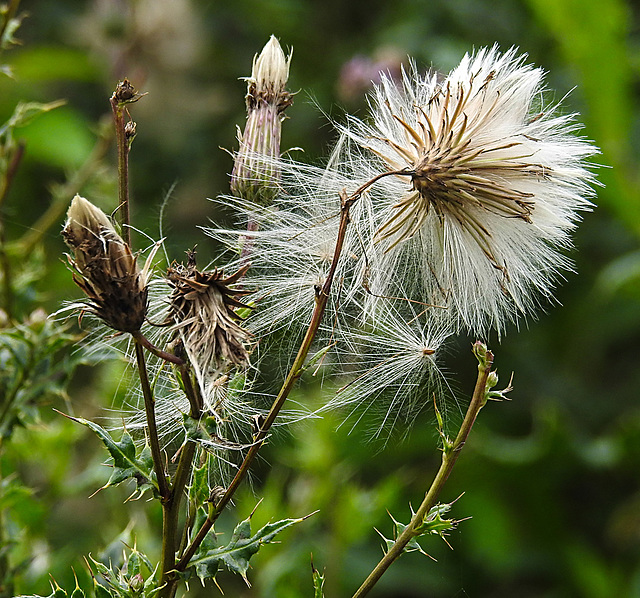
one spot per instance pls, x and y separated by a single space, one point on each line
105 268
202 308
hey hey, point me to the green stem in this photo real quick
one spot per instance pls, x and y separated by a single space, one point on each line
449 458
171 508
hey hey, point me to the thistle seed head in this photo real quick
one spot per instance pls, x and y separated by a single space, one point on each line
105 268
484 185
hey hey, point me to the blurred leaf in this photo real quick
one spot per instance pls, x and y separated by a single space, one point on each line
50 63
35 365
606 83
623 273
61 138
25 112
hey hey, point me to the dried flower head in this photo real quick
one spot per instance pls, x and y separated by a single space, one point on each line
105 268
489 183
267 99
202 309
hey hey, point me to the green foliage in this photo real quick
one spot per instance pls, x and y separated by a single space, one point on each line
135 579
318 582
432 524
128 461
553 473
35 367
127 581
238 552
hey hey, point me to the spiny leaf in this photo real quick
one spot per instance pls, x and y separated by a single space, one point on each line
433 523
241 548
199 490
318 582
126 464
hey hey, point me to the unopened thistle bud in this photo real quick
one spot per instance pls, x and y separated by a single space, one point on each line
202 308
255 170
105 268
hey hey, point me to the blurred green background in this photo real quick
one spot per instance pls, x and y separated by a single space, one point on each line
551 479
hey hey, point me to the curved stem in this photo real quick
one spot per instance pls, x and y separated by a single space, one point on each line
146 343
294 374
449 458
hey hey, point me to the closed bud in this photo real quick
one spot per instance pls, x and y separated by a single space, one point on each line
105 268
255 169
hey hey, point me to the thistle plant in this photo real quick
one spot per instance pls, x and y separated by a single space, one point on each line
448 209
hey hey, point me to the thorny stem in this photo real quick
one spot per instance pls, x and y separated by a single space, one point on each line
322 296
449 457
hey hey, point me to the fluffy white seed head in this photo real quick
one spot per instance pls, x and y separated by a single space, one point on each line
489 184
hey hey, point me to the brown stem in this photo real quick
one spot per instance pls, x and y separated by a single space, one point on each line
449 458
150 410
294 374
146 343
123 146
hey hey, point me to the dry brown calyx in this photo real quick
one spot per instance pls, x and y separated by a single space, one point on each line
105 268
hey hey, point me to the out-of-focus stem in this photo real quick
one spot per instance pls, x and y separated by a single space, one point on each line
5 263
61 195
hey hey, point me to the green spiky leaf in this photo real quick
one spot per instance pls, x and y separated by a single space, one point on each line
242 546
434 523
127 463
318 582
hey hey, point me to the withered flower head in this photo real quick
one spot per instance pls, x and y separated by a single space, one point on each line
105 268
202 308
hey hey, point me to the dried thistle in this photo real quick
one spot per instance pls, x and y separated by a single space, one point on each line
489 183
202 308
105 268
